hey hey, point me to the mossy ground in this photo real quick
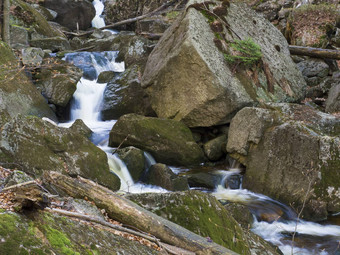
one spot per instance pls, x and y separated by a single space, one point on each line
42 233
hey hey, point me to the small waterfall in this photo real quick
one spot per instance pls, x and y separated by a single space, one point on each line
149 160
98 21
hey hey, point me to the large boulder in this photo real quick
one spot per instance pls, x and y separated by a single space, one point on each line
72 13
169 141
203 215
18 95
291 153
124 94
37 146
57 80
189 79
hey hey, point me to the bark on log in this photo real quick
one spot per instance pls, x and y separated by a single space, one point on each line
314 52
127 212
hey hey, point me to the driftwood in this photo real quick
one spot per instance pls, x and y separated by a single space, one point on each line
314 52
127 212
169 248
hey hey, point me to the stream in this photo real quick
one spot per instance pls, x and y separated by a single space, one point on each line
273 221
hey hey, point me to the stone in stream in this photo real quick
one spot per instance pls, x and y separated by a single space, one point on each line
161 175
169 141
188 78
290 151
134 160
124 94
37 146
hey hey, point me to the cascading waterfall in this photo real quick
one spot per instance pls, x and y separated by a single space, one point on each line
277 223
98 21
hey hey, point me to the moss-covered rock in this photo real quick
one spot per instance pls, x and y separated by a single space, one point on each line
18 95
290 151
161 175
169 141
134 160
202 214
43 233
24 14
39 146
57 80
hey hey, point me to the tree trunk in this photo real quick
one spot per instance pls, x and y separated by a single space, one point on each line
314 52
5 23
127 212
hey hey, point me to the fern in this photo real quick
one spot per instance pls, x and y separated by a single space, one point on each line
247 52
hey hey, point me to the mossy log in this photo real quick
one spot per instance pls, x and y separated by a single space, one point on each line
314 52
127 212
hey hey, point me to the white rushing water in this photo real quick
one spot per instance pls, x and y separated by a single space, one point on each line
98 20
310 237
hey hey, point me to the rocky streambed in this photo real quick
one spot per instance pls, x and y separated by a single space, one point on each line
217 105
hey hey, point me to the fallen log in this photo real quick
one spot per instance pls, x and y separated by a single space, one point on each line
314 52
127 212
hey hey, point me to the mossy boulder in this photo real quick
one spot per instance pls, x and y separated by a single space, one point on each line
124 94
44 233
18 95
169 141
134 160
210 91
161 175
24 14
37 146
203 215
291 152
57 80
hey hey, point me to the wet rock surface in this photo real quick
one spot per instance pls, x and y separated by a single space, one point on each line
295 142
169 141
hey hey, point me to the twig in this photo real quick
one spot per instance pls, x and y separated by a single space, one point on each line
115 150
19 185
299 215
